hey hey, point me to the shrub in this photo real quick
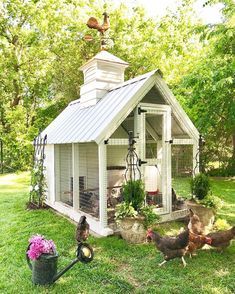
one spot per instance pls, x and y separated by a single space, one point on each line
134 193
150 217
125 210
212 201
200 186
221 224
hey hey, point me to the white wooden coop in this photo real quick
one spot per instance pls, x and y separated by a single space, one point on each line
87 143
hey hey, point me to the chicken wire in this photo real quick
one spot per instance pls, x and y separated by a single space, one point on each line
64 174
89 179
182 161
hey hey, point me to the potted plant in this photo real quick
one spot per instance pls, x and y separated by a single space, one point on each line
204 204
132 216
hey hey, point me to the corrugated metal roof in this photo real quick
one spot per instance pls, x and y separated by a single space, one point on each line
77 124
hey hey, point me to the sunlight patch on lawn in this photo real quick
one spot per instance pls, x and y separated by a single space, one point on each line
221 272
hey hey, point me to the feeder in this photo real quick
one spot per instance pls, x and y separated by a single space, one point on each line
44 269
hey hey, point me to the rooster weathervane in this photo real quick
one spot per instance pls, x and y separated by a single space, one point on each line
101 28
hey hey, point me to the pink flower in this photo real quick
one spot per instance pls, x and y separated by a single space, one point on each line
39 245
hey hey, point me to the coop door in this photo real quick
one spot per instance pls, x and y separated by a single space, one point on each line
154 135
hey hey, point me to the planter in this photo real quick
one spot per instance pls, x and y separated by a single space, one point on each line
44 269
132 230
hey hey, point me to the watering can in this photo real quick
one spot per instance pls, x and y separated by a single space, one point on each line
44 269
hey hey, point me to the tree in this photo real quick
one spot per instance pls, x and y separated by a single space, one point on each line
209 89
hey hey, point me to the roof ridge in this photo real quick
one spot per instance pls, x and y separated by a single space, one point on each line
135 79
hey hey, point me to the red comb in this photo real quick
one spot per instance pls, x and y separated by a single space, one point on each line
208 240
149 232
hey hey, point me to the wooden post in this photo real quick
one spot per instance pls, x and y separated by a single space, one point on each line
168 161
103 184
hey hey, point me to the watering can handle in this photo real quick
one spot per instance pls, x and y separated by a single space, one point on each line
27 258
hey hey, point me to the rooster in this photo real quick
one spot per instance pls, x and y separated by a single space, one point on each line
94 24
82 231
171 247
222 239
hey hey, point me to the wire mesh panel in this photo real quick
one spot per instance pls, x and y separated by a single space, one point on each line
116 166
182 171
89 179
64 173
182 160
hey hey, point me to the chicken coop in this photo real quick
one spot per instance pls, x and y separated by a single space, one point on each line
87 144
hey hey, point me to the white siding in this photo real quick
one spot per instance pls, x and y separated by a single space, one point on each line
116 155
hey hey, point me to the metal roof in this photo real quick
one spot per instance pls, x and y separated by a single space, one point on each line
78 124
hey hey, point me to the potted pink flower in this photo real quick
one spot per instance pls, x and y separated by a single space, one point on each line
42 259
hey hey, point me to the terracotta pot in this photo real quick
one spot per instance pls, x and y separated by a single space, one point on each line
132 230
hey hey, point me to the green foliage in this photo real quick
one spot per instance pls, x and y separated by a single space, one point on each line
42 47
200 186
125 210
208 92
221 224
133 204
150 217
38 184
212 201
134 193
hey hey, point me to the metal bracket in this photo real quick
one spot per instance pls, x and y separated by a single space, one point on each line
170 141
140 110
142 162
106 142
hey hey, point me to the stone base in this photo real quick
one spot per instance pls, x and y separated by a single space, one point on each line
132 230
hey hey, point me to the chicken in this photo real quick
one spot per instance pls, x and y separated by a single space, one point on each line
196 237
82 231
222 239
93 24
171 247
197 242
195 225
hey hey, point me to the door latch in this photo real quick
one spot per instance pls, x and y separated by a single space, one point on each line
142 162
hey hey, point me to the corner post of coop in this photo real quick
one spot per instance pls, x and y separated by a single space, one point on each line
103 184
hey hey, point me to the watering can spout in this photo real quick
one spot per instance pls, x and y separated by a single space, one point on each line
85 254
58 275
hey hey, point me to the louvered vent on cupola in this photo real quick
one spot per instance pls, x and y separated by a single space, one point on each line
101 73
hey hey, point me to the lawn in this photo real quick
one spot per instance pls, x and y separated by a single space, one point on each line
117 266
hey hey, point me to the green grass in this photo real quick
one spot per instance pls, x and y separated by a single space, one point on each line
117 266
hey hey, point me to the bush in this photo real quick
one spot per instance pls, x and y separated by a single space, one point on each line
212 201
150 217
200 186
134 193
221 224
125 210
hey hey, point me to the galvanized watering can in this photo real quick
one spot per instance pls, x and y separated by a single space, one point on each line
44 269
